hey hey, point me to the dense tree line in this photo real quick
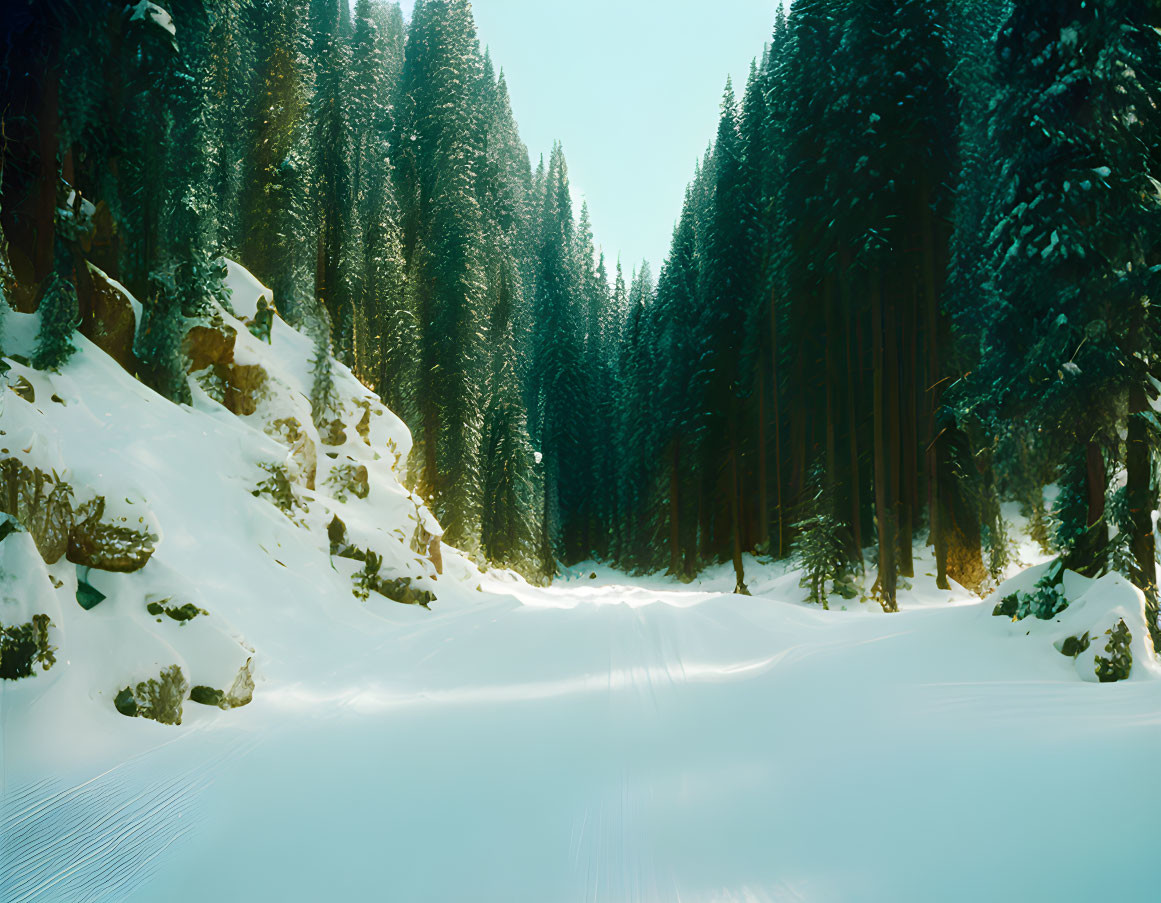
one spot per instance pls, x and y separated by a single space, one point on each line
912 276
369 170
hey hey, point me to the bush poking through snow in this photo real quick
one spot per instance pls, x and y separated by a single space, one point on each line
1075 645
25 645
180 613
158 698
349 479
278 488
1045 602
1118 663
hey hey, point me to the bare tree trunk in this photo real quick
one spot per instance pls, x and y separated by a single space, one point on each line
884 501
1141 504
777 424
674 511
740 585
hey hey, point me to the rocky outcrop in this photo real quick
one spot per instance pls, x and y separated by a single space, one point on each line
41 502
207 345
110 322
159 698
24 646
107 546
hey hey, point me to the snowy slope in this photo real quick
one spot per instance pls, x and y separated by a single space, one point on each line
604 739
191 477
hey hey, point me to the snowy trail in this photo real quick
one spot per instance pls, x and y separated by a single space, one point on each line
604 742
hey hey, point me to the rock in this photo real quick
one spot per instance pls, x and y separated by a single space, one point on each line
111 323
334 434
125 703
349 479
303 453
107 547
206 695
25 645
206 345
159 699
1075 645
88 596
23 389
42 505
241 691
363 427
244 385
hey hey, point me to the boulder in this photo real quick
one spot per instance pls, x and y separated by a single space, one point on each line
205 345
41 503
303 453
108 547
241 691
111 323
244 384
159 698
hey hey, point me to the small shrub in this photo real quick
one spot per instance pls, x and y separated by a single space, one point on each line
1075 645
1119 662
24 645
278 488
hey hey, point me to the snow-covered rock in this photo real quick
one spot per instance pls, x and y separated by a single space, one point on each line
191 530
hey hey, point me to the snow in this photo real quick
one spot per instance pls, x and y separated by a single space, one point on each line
607 738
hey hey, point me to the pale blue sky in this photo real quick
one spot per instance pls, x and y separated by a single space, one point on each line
632 88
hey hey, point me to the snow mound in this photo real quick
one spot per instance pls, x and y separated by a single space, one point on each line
1083 631
267 540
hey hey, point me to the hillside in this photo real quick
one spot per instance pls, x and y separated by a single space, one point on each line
224 538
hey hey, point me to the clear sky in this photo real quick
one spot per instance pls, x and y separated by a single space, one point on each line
632 88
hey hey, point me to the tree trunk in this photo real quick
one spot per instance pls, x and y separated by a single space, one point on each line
910 438
856 510
674 511
763 477
777 425
1141 543
884 502
740 585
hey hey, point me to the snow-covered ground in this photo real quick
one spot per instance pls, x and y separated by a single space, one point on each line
619 740
604 739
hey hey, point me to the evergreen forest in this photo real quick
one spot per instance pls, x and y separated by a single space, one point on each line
911 279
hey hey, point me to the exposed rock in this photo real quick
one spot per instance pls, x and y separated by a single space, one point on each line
23 389
206 345
111 322
244 384
88 596
180 613
105 546
1075 645
241 691
303 453
25 645
206 695
349 479
334 433
41 503
363 427
158 698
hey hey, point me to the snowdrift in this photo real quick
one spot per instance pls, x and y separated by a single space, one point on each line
148 535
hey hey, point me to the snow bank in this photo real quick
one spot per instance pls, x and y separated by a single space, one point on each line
243 499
